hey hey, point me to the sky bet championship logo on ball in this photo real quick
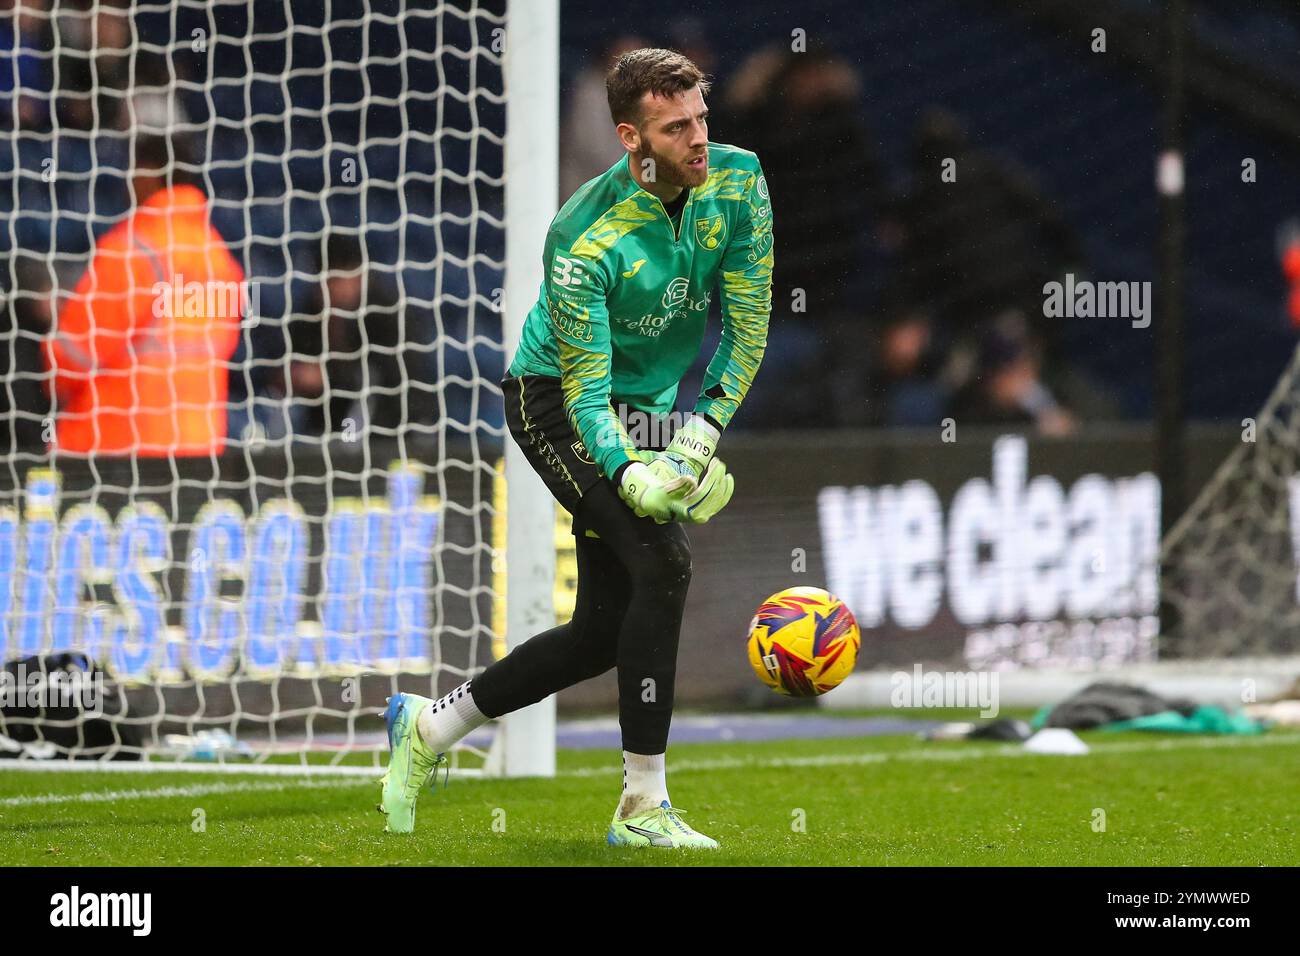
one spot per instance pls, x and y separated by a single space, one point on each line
242 579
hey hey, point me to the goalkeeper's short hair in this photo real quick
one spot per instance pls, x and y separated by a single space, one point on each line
648 70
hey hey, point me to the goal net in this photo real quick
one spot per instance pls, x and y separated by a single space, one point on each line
1229 566
256 599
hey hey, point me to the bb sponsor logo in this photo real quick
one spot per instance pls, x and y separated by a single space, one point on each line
675 293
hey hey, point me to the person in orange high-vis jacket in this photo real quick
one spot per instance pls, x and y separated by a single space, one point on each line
140 350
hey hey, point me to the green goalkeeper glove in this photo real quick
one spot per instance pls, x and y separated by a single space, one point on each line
693 447
712 495
656 490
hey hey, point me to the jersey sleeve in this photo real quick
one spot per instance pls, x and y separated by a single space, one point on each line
577 288
745 282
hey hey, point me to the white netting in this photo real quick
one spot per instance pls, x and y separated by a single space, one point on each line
1229 566
341 544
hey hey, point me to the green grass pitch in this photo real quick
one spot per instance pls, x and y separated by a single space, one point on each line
863 801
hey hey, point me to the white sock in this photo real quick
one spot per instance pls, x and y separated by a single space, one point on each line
450 718
644 784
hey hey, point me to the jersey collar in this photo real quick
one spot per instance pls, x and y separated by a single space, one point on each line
632 187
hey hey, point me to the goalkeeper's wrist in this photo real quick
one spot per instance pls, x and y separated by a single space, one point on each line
705 424
695 442
712 421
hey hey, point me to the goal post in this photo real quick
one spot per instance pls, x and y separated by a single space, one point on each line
1230 565
526 742
384 174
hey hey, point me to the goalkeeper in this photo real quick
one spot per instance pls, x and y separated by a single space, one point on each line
631 262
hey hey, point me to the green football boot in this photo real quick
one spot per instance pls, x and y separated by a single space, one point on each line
411 764
662 826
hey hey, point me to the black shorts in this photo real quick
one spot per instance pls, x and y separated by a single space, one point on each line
534 412
537 420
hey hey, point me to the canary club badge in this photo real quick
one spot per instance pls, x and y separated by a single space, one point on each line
710 231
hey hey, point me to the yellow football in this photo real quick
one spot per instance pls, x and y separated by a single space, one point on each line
803 641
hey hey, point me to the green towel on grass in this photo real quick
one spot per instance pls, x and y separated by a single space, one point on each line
1203 720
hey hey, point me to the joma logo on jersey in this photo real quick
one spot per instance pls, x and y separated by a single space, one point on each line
575 326
710 231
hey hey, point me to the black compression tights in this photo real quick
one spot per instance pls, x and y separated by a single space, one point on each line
632 583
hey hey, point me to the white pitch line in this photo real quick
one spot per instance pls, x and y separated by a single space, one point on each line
196 790
922 756
678 766
169 766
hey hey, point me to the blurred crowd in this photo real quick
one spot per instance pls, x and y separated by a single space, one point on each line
902 297
96 61
898 300
337 349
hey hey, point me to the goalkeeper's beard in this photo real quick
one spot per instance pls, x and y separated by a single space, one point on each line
670 172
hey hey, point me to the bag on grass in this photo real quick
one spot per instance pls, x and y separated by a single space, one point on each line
53 704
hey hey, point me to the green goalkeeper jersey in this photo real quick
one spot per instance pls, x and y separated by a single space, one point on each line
626 294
